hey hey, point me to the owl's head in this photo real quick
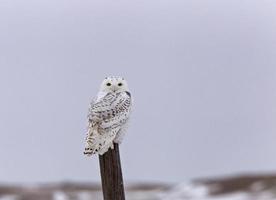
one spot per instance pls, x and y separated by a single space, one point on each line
114 84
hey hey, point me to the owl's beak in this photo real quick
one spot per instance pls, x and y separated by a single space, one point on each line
114 89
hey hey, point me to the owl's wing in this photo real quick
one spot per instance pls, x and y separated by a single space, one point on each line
119 112
102 104
108 111
109 106
121 119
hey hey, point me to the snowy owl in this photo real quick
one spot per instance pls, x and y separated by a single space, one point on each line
108 116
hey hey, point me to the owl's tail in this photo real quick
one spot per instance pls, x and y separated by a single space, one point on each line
95 142
91 140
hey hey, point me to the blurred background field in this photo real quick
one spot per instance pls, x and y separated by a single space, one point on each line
242 187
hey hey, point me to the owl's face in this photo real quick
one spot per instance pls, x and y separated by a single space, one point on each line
114 84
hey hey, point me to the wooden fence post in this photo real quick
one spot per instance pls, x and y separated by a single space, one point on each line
111 174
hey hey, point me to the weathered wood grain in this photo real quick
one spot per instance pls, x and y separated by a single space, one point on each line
111 174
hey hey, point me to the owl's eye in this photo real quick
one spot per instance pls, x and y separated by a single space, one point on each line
108 84
120 84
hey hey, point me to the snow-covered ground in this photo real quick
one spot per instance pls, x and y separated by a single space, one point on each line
191 191
231 188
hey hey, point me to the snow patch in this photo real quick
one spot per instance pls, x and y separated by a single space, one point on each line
9 197
186 191
59 195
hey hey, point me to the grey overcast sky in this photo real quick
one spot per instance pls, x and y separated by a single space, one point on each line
202 74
